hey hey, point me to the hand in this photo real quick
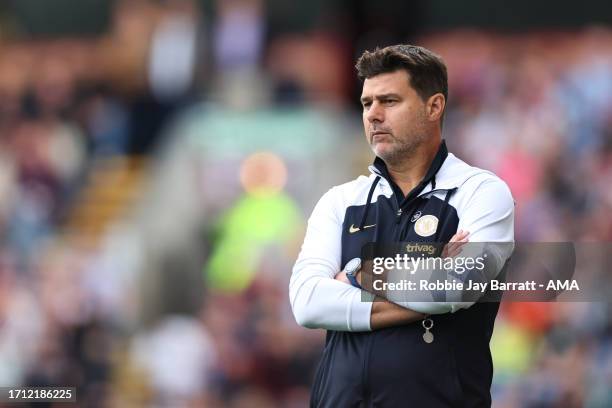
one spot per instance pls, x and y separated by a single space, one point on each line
341 276
453 248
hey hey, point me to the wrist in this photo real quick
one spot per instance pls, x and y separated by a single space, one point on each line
354 282
352 269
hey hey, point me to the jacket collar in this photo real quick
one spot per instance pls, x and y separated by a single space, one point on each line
380 168
449 171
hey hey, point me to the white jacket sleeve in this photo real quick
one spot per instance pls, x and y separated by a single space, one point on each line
318 300
488 215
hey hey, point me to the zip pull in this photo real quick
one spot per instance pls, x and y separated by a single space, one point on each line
428 336
399 216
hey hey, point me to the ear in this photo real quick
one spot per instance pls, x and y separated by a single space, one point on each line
435 107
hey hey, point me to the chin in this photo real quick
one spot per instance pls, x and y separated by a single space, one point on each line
383 151
389 156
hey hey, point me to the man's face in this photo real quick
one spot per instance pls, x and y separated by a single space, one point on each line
394 116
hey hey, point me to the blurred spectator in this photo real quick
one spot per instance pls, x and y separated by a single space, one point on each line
177 357
174 52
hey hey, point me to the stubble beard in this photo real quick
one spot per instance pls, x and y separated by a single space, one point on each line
403 149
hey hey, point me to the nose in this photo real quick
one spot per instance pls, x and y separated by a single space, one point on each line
375 113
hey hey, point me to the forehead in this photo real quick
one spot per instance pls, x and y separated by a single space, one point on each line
396 82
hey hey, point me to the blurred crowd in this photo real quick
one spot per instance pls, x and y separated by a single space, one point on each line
241 121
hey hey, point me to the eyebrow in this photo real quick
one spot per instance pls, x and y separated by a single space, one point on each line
380 97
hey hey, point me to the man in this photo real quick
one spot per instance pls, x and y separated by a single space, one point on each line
377 353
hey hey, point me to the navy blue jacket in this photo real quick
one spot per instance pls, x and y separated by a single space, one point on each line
395 367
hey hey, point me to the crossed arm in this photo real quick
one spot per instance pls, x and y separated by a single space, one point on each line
321 299
387 314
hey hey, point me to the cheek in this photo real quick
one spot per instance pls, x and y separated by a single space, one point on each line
402 120
396 120
364 118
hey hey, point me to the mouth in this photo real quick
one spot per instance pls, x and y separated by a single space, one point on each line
379 136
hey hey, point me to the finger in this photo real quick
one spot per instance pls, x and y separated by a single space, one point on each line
455 237
451 245
451 253
463 239
454 248
449 249
458 243
463 235
459 236
455 243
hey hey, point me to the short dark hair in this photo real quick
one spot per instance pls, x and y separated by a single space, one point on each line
426 69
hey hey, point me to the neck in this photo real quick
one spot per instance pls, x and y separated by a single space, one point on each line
408 173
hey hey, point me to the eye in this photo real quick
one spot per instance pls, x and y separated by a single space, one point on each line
389 102
366 104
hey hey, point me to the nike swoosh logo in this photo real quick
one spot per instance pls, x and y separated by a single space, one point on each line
353 229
